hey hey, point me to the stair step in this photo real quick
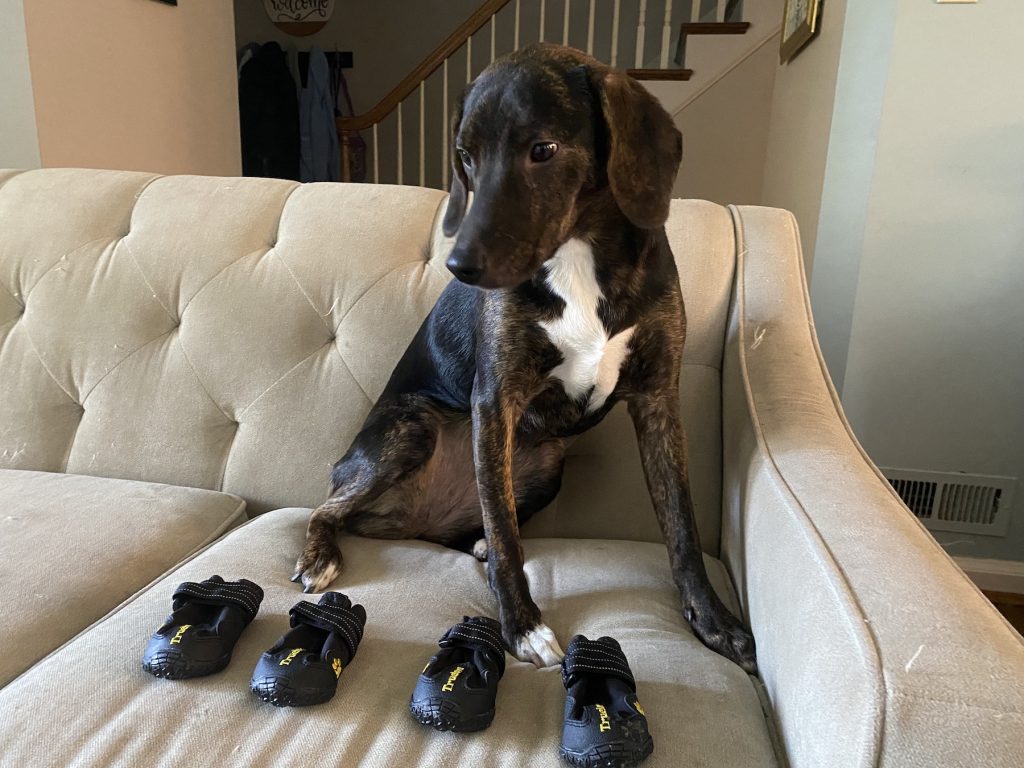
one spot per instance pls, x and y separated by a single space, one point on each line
707 28
714 27
660 74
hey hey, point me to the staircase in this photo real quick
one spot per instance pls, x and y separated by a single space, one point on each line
405 134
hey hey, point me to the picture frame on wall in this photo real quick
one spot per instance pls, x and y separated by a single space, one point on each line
799 25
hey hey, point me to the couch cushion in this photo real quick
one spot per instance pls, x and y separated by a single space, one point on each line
703 710
73 547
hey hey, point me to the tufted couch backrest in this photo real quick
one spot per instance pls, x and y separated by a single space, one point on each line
233 333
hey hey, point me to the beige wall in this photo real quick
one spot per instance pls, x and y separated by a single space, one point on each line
135 84
798 135
19 142
725 133
935 374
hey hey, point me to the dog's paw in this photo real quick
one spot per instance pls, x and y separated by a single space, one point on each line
722 632
479 550
317 567
538 646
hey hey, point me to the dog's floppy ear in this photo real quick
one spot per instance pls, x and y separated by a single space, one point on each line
460 184
644 148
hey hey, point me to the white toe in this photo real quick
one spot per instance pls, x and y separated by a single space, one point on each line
480 550
320 582
539 646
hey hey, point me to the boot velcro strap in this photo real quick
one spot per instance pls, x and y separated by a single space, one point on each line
330 618
475 634
244 594
592 657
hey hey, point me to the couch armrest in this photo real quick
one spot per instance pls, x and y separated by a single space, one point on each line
874 647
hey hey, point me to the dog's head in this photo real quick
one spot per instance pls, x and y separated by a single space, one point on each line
536 133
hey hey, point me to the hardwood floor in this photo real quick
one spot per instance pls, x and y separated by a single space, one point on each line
1011 606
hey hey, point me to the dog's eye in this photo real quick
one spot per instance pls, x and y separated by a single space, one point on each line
541 153
466 158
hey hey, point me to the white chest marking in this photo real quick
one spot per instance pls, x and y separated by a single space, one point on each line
590 358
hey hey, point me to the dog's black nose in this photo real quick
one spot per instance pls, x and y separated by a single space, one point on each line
463 269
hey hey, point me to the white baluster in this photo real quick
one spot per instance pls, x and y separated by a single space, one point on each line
565 23
423 133
641 33
444 126
399 143
720 11
492 37
615 33
666 34
376 153
590 30
515 38
469 59
540 36
695 10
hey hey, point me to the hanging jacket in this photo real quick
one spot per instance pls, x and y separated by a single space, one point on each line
319 156
269 115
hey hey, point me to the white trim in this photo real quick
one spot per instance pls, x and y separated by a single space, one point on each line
994 575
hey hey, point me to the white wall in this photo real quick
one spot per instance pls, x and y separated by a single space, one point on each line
135 84
935 374
798 137
19 142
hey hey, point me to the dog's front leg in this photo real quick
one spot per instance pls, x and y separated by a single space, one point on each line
663 454
527 637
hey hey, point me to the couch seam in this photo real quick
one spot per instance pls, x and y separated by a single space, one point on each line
135 201
56 381
122 361
17 301
67 257
281 378
369 288
903 694
351 373
199 381
145 279
870 648
227 456
265 250
305 295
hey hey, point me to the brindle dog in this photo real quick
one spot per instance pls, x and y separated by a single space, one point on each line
567 301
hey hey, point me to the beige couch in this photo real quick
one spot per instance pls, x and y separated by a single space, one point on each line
179 354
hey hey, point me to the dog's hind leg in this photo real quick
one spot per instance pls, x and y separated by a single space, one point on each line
537 478
397 439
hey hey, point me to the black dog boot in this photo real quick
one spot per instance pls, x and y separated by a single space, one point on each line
604 723
457 688
206 621
303 667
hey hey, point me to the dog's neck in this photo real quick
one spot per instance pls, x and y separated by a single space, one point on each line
622 251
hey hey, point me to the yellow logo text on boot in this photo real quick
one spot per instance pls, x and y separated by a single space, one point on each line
336 666
450 685
176 640
638 708
288 659
606 723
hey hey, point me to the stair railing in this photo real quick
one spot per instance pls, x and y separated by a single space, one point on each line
443 58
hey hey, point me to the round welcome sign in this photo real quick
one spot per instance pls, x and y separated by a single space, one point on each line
299 17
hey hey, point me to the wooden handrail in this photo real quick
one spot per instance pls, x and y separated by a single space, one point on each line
425 69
